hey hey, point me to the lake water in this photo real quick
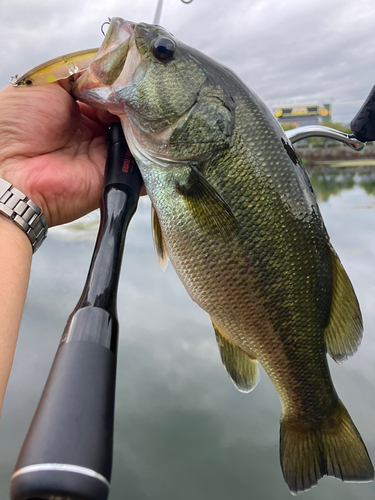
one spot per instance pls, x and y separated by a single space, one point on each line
182 431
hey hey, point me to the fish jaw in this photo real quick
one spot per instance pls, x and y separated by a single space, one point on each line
98 85
126 77
109 61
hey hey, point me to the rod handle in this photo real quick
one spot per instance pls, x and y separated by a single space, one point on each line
67 453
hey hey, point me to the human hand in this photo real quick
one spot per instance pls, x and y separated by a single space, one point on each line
53 149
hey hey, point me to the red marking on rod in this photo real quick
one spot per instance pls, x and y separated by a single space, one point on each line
129 163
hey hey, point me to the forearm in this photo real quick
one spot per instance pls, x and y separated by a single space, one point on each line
15 263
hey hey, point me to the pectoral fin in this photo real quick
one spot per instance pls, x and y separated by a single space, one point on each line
242 368
343 333
159 245
206 205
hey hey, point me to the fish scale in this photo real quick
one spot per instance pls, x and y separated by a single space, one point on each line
205 288
237 217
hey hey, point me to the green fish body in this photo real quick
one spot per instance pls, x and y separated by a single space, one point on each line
235 213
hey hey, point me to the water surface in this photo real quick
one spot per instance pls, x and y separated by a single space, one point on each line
182 430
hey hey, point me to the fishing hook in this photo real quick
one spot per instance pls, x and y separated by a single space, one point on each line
109 22
186 1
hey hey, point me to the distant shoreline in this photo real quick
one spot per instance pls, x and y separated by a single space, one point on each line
338 157
340 167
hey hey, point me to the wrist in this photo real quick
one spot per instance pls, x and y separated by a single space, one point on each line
15 264
16 207
13 239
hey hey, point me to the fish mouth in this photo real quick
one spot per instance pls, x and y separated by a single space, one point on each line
109 62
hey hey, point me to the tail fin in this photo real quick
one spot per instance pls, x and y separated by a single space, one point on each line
332 448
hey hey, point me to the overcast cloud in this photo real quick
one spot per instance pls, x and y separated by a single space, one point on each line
287 51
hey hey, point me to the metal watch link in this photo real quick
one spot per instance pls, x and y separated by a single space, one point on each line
24 212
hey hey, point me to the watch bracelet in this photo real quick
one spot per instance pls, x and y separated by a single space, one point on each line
24 212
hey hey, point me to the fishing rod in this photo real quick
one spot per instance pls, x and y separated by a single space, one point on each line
159 8
67 453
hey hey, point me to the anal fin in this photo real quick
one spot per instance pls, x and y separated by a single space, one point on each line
242 368
159 245
343 333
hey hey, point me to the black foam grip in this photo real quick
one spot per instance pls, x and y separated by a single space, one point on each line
73 426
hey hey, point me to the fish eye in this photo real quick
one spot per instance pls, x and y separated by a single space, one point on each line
163 48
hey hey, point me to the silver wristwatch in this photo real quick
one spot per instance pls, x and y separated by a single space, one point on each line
24 212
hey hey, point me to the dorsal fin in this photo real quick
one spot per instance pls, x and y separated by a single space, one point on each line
343 333
242 368
159 245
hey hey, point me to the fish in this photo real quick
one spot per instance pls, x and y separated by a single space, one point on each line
234 211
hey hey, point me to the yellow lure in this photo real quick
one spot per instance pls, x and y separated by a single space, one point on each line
55 69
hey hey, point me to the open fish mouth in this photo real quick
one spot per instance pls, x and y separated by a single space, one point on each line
109 62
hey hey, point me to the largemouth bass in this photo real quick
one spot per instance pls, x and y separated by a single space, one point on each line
235 213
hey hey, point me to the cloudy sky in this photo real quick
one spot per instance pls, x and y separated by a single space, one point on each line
288 51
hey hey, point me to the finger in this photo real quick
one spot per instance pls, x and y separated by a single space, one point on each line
66 84
98 115
106 117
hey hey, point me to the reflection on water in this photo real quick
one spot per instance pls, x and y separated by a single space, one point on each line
84 229
369 186
182 431
330 183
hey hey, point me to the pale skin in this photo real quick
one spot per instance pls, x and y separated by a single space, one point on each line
53 149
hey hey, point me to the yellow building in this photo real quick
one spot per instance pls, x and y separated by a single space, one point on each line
301 115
